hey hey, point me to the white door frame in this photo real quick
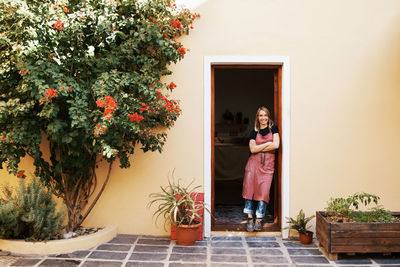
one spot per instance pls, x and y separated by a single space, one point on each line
285 135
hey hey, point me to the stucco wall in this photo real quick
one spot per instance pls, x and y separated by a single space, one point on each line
345 87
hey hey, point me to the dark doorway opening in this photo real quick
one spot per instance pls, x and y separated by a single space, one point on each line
237 92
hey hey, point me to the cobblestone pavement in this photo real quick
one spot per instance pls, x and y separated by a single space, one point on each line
235 251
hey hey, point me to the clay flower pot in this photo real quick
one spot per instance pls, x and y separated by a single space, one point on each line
306 238
186 235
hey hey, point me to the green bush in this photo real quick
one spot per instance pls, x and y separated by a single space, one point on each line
29 212
340 209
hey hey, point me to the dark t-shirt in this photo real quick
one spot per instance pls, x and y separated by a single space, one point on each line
263 132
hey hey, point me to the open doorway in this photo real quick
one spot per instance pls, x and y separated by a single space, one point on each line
237 92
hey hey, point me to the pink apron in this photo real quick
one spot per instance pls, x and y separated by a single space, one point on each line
259 172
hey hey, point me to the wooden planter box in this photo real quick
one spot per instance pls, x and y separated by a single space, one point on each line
357 237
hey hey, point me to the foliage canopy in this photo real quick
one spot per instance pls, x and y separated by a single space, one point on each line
86 76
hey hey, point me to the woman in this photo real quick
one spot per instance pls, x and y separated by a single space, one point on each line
264 140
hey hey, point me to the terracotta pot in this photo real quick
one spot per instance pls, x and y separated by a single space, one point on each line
186 235
306 238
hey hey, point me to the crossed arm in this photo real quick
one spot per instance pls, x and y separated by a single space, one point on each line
268 146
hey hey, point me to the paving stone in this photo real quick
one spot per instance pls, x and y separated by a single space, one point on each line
316 265
139 248
201 243
102 264
226 238
262 244
59 263
75 254
354 261
113 247
217 264
176 264
390 265
108 255
187 257
260 238
25 262
155 237
201 250
154 242
268 259
148 256
298 245
144 264
226 244
228 251
124 239
387 260
309 259
272 265
266 251
228 258
304 251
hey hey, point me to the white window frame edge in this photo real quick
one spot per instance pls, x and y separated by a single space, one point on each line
285 135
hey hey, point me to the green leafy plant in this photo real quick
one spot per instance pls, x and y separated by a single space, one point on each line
346 209
30 213
299 223
80 83
178 203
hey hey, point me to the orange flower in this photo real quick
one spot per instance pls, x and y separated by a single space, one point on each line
65 9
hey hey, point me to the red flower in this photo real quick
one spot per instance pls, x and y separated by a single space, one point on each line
176 24
100 103
83 17
152 85
135 117
165 35
50 94
182 51
172 85
109 105
58 25
20 174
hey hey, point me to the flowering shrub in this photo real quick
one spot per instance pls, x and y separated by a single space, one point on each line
86 76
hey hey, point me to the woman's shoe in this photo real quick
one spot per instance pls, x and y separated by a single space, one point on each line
258 225
250 225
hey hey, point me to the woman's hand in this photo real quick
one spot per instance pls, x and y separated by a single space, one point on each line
254 148
274 144
268 146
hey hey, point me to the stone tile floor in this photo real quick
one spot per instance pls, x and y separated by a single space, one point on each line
130 250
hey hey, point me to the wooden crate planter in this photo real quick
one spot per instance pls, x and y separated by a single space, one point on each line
357 237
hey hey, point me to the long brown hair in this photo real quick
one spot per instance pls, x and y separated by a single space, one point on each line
257 123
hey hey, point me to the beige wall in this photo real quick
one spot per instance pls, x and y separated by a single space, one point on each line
345 81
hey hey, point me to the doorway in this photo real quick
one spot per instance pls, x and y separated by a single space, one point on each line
236 93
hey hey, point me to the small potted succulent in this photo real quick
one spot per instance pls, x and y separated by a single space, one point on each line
300 224
178 204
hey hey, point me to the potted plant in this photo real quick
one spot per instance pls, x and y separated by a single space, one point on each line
300 224
343 228
179 205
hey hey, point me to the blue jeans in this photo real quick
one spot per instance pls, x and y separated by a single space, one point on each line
249 207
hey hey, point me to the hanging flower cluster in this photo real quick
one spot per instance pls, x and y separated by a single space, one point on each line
176 24
58 25
168 104
109 106
99 130
135 117
50 94
21 174
172 86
